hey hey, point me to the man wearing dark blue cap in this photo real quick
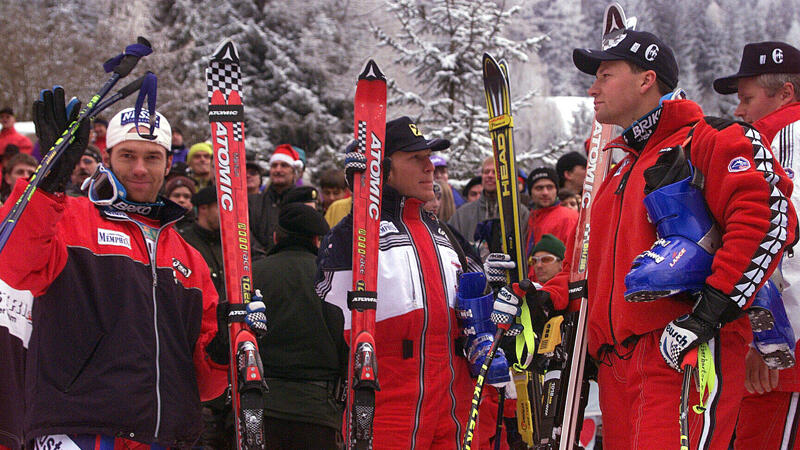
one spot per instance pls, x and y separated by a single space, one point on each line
425 380
722 168
768 86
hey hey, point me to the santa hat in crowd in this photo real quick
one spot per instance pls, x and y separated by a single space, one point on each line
287 154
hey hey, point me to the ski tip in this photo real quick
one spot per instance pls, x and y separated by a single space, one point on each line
372 72
614 19
490 66
226 51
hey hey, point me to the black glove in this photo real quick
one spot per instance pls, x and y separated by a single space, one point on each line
219 347
354 162
711 311
51 117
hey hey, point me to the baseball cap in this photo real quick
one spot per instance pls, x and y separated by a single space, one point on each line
759 58
403 135
122 127
644 49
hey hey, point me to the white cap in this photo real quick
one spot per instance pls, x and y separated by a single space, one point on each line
122 127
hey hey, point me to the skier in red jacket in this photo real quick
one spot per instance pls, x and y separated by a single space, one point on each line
768 86
729 177
125 340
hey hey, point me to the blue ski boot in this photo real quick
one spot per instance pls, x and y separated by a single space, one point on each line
773 336
474 309
680 260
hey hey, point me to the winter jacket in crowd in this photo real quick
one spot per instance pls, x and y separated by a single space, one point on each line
123 310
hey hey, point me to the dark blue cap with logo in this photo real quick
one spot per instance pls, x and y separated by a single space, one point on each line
759 58
644 49
402 135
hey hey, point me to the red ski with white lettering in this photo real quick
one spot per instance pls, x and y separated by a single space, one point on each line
226 114
370 130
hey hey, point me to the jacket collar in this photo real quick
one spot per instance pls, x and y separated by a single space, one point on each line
674 115
773 122
163 215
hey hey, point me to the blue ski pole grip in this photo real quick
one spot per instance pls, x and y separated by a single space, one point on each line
123 63
148 90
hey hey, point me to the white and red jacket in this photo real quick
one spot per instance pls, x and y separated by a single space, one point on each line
781 129
123 311
425 384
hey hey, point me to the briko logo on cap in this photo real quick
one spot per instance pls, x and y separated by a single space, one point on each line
414 130
128 117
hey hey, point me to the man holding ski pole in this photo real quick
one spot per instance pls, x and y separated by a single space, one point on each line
125 309
768 86
718 210
425 383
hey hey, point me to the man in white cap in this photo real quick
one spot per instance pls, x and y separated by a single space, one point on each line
125 344
284 169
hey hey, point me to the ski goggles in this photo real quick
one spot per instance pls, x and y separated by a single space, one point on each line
546 259
102 187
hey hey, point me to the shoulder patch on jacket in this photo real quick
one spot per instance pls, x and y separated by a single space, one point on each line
738 164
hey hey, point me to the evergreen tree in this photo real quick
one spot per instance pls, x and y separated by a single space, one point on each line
289 55
442 43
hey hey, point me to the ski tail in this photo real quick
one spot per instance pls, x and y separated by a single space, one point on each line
369 131
226 115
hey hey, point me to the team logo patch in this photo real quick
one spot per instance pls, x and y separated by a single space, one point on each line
789 173
177 265
738 164
651 52
777 56
387 227
112 237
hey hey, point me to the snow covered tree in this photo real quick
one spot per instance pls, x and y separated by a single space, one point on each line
441 42
289 57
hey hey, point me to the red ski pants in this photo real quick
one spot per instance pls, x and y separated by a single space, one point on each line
640 397
769 421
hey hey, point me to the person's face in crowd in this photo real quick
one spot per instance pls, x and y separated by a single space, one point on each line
253 180
177 139
520 185
182 195
572 202
201 164
140 166
331 194
17 172
412 174
545 265
99 130
474 193
208 216
83 170
754 101
576 176
440 174
616 92
281 174
543 192
434 204
7 120
488 181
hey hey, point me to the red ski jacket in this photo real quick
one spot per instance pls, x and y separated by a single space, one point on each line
747 193
119 336
781 129
557 220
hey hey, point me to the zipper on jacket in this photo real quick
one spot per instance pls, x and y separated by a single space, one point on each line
418 409
449 328
154 273
621 192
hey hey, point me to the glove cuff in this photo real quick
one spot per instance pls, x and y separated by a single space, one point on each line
716 308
